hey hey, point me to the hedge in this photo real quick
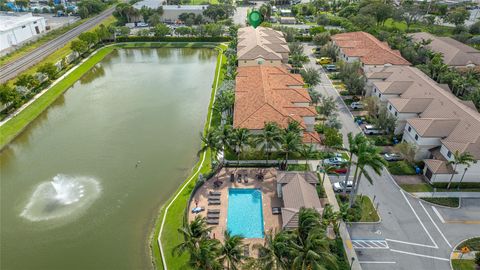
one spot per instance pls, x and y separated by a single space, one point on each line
172 39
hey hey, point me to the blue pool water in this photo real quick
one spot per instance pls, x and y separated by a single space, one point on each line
245 215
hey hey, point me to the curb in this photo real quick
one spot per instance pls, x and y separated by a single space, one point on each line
455 248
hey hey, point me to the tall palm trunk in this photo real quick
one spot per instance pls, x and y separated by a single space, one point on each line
461 179
451 177
354 185
353 193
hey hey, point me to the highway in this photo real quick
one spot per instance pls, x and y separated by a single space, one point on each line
13 68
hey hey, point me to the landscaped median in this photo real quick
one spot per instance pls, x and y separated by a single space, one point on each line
171 216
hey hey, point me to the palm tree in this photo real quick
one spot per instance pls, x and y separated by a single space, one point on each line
193 234
311 247
224 134
314 96
209 142
289 143
205 257
464 158
328 169
268 139
293 126
231 250
353 144
306 151
274 251
368 156
310 76
240 138
331 217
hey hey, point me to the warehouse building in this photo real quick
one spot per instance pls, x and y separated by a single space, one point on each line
14 30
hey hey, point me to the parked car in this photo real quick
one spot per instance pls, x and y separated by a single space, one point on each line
392 157
331 68
372 130
334 161
324 61
340 170
338 186
356 105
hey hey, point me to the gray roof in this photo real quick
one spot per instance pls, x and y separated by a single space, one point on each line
454 52
287 177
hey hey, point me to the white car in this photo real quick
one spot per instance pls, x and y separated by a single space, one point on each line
334 161
371 130
392 157
338 186
356 105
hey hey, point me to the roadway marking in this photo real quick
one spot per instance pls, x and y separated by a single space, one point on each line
420 255
435 224
370 244
438 214
410 243
418 218
376 262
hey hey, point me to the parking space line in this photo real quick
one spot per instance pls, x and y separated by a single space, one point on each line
435 224
418 218
410 243
370 244
420 255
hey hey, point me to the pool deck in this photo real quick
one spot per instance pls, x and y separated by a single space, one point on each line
269 199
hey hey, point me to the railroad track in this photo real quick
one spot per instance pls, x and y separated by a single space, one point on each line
12 69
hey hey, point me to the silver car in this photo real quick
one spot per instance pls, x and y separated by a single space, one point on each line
338 186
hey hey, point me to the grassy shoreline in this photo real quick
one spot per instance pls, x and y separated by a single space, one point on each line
174 217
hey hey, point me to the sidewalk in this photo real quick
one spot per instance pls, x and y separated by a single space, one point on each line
452 194
347 242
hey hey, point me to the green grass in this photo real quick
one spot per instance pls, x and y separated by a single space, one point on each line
435 29
424 187
298 167
14 126
174 218
459 264
369 214
168 45
401 168
450 202
472 244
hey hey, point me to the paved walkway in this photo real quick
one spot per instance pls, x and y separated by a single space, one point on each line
447 194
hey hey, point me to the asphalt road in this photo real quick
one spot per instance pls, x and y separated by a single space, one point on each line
412 234
12 69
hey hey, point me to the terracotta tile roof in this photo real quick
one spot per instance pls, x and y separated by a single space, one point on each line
454 52
370 50
267 94
443 113
311 137
261 42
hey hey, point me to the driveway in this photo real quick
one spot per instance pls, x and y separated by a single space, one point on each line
411 234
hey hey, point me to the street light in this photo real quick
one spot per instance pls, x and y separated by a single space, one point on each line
353 259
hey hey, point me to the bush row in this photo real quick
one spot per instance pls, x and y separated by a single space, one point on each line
172 39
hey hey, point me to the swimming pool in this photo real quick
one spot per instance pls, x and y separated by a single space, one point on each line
245 215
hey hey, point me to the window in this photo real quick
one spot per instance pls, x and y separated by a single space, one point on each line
396 113
390 107
375 90
380 95
416 137
409 128
449 154
245 61
24 26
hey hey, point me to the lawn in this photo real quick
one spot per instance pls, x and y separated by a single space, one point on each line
400 168
459 264
424 187
14 126
298 167
434 29
369 213
175 215
449 202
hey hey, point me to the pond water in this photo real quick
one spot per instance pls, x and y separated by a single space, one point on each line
81 186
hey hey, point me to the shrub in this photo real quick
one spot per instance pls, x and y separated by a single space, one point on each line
172 39
400 168
320 128
477 258
344 93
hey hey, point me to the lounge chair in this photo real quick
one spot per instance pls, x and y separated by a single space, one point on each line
214 202
246 250
213 211
239 179
213 215
232 177
215 193
212 221
197 210
276 210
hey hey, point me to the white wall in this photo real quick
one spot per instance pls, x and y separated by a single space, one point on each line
22 32
423 144
401 118
472 174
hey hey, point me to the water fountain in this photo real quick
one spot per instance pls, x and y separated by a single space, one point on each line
64 195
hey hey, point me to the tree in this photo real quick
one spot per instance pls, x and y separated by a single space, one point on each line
192 234
458 16
464 158
379 10
224 134
79 46
307 152
161 30
48 69
368 156
231 250
205 257
296 48
89 37
410 12
266 11
125 31
103 33
272 251
353 145
329 50
371 105
310 76
22 3
385 120
183 31
269 139
407 150
321 38
314 96
28 81
214 29
333 138
240 138
154 20
327 107
315 30
8 94
219 12
297 60
224 101
209 142
289 143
